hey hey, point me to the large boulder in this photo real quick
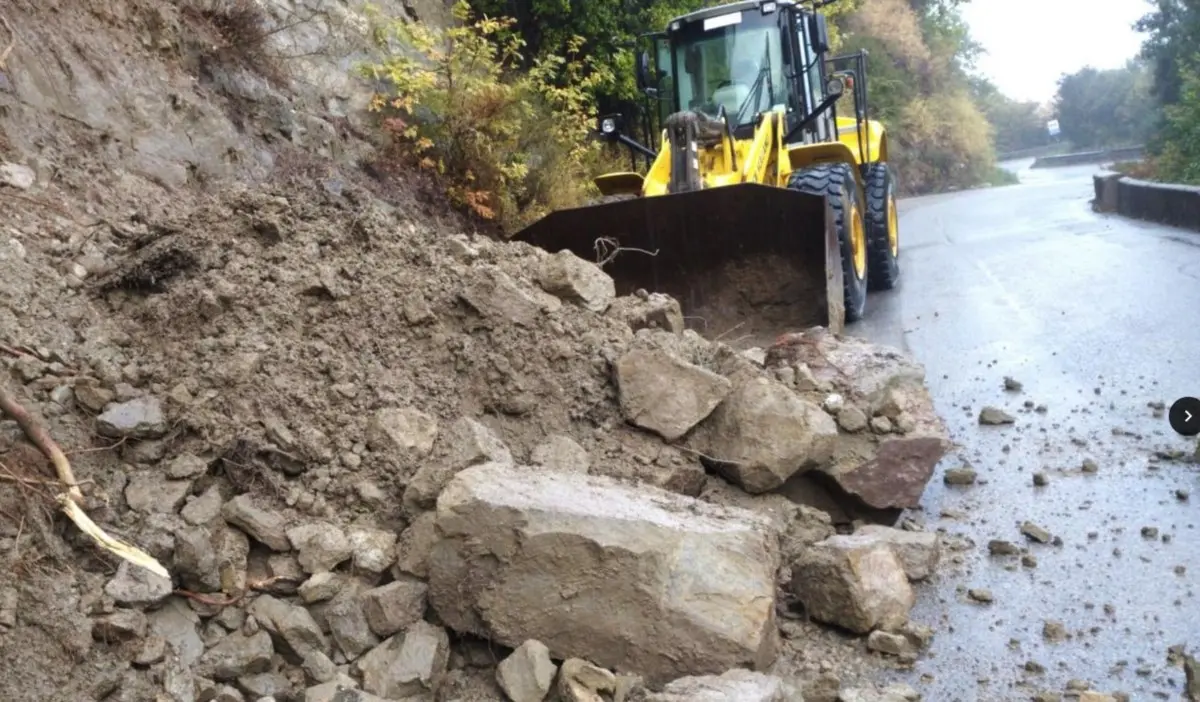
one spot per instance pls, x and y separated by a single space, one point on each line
854 583
666 394
888 470
764 433
635 579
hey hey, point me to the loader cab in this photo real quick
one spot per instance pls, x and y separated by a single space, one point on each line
740 60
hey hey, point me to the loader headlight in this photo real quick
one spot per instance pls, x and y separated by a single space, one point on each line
608 125
835 86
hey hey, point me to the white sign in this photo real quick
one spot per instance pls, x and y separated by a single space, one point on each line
722 21
1052 127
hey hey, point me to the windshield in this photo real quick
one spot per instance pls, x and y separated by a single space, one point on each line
732 61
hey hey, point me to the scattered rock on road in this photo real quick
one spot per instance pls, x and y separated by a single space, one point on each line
995 416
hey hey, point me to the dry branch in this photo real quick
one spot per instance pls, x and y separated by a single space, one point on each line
71 500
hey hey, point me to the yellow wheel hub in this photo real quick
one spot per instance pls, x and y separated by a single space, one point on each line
893 226
858 240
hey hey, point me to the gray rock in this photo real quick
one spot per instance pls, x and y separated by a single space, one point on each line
852 419
348 626
581 681
396 606
293 624
651 311
666 394
339 691
267 527
415 544
995 416
139 418
121 625
918 551
373 550
203 509
186 466
527 673
674 586
177 624
320 546
236 655
150 491
763 433
738 685
321 587
573 279
406 665
466 443
137 587
14 175
497 297
561 453
261 685
889 643
853 584
405 429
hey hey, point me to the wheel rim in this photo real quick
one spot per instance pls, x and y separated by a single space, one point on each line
893 225
858 241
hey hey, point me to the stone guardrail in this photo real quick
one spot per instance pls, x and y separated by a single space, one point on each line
1165 203
1128 153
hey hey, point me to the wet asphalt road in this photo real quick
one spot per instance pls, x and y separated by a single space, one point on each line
1097 316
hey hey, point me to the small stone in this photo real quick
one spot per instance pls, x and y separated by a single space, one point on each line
892 644
404 429
264 526
1040 479
396 606
527 674
139 418
995 416
1035 532
152 650
408 664
999 547
17 176
1012 384
415 544
852 419
348 626
135 586
1054 631
960 476
1149 532
581 681
185 466
1090 466
561 453
981 595
1029 560
148 491
321 587
573 279
321 546
1182 495
121 625
203 509
881 425
237 655
373 550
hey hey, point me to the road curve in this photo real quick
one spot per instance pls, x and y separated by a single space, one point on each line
1097 316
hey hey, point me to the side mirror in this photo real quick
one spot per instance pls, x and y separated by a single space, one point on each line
609 126
642 71
819 33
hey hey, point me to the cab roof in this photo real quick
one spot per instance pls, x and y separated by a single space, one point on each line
728 8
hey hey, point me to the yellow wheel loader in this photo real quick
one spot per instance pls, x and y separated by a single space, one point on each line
762 202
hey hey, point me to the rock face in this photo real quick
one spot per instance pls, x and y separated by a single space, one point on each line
640 580
764 433
666 394
854 583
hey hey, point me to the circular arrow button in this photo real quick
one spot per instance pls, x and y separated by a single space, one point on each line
1185 416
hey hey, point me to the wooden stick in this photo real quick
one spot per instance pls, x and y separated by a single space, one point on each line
41 438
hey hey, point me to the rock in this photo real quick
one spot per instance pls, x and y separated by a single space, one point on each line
14 175
881 425
404 429
348 626
415 543
149 491
561 453
1090 466
595 568
964 475
1191 671
1000 547
1040 479
995 416
264 526
211 559
856 584
889 643
321 587
665 394
320 547
1054 631
466 443
1012 384
92 396
493 294
235 655
1093 696
1035 532
653 311
121 625
139 418
408 664
395 606
137 587
581 681
373 550
203 509
763 434
573 279
527 673
176 624
291 624
852 419
981 595
185 466
737 685
338 691
823 688
918 551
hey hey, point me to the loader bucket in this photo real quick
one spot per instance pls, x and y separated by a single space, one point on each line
741 260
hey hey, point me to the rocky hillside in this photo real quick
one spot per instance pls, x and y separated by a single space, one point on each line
381 457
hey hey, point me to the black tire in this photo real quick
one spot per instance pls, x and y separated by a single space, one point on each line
882 256
836 180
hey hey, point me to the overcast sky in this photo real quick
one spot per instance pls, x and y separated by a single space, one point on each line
1030 43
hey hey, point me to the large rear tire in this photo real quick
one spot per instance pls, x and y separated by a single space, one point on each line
837 182
883 228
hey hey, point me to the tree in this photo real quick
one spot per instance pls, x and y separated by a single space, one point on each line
1105 108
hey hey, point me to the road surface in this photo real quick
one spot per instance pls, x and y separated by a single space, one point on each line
1098 317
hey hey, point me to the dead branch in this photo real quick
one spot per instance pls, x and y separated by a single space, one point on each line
71 500
607 248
